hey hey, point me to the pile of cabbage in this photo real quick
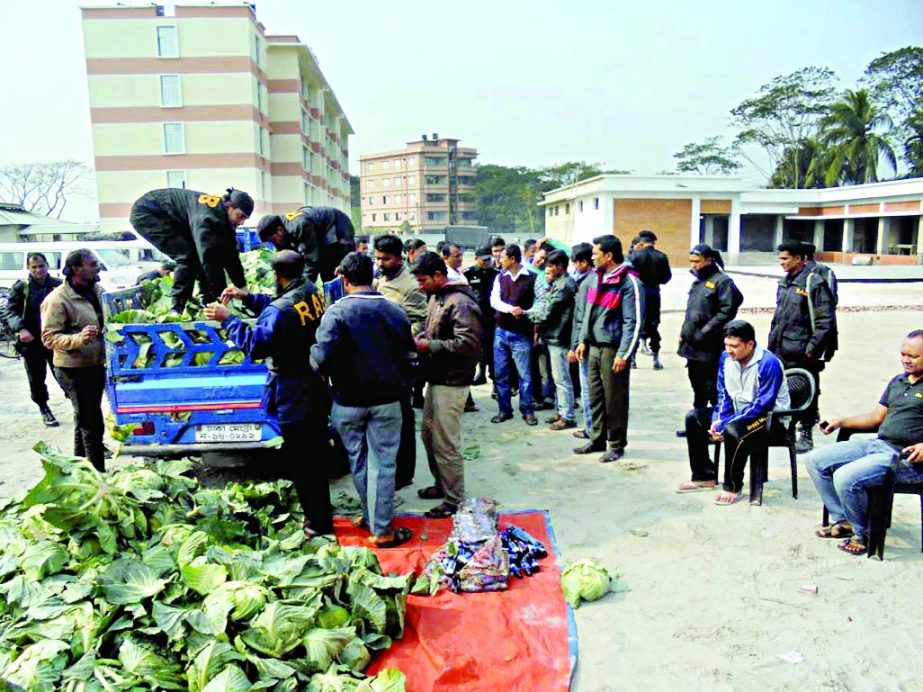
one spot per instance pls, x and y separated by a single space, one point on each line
143 579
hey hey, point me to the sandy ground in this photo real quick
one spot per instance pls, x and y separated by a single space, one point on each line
714 592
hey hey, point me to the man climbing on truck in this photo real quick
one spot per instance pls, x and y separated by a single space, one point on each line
323 236
196 230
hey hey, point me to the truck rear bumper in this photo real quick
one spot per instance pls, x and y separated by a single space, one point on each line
188 450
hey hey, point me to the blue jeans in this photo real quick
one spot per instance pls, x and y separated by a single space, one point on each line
564 389
584 369
511 349
372 436
842 472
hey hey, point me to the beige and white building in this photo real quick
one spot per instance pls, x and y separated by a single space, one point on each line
203 98
881 220
427 185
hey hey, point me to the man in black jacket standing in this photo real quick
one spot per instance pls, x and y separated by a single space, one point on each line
713 302
197 231
653 268
803 333
284 332
449 346
22 316
481 278
555 331
323 236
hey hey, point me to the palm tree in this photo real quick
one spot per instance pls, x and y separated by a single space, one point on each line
913 145
855 131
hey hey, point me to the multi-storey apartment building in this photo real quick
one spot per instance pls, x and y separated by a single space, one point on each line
428 185
205 99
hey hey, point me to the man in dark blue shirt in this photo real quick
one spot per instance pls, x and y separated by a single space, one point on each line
284 333
842 472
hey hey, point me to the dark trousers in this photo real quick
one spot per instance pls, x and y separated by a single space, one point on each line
542 381
608 399
305 457
698 442
407 452
37 360
703 376
810 416
84 387
178 245
652 319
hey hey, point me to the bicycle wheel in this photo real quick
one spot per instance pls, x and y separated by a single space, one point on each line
8 345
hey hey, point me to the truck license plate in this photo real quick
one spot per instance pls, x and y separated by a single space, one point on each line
229 432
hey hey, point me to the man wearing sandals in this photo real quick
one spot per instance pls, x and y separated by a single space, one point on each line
363 343
751 384
843 472
450 346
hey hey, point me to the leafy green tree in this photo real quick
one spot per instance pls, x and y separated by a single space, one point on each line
895 81
707 158
913 145
355 212
807 163
782 116
856 131
506 199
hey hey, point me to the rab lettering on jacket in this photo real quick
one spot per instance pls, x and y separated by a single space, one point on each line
304 310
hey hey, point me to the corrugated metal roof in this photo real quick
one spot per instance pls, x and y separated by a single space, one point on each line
15 215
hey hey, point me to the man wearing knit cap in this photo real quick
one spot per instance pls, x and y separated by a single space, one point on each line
197 231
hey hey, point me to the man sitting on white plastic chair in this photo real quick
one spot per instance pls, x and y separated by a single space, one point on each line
751 384
843 472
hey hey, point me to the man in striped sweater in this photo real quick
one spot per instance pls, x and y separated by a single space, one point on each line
612 320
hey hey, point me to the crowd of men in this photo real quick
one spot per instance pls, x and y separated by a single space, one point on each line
557 326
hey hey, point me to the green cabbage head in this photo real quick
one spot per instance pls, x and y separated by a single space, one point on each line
584 579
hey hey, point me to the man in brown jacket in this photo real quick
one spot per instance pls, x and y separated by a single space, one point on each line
450 346
72 326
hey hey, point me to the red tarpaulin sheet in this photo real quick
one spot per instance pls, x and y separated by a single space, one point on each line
523 638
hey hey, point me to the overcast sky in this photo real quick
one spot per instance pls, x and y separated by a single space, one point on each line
526 82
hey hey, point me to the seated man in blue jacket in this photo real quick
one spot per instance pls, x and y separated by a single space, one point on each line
284 333
363 344
751 384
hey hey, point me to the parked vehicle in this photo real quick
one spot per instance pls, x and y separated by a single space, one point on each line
121 262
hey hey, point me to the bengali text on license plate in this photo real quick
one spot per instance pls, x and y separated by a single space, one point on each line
229 432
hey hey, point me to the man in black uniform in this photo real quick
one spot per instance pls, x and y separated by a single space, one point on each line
653 268
803 333
713 302
21 314
481 279
822 269
323 236
196 230
284 332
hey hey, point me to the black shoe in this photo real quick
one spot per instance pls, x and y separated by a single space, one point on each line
107 453
417 402
530 419
48 417
588 448
581 435
501 417
611 455
478 381
681 433
471 408
657 363
805 443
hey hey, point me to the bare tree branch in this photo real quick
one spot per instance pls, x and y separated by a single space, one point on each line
42 188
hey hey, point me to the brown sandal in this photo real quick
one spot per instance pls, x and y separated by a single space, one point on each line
840 529
852 546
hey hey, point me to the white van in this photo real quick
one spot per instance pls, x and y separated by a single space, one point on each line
121 261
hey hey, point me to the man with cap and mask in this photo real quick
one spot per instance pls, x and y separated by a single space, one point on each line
197 231
323 236
284 332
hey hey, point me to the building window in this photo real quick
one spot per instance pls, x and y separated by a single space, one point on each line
549 212
435 216
306 159
397 199
397 216
397 163
435 180
468 216
307 193
386 216
434 161
431 197
385 165
374 217
413 216
384 199
580 205
411 180
256 49
465 180
370 166
167 45
173 140
170 92
412 199
397 181
176 179
371 184
596 203
386 182
567 208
